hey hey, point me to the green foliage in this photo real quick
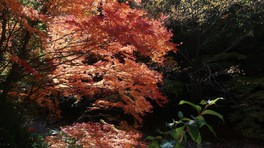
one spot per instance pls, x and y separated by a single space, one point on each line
185 127
197 107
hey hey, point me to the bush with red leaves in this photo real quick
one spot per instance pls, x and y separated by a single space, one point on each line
95 135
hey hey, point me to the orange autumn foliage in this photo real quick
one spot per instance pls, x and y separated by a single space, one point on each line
22 39
95 49
95 135
100 56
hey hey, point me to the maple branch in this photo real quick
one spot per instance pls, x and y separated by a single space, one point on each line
11 33
59 50
15 74
71 54
40 85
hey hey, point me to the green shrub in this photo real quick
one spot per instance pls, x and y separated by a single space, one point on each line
186 128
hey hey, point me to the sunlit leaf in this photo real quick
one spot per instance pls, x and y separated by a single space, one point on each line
211 102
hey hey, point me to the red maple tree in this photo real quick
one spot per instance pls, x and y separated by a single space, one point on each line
21 41
94 50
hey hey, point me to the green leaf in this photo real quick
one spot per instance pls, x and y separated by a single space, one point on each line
211 129
151 138
186 119
195 134
214 101
203 102
154 144
197 107
178 134
199 117
201 121
211 112
180 114
173 134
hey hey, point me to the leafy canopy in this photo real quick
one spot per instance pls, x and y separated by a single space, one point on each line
90 50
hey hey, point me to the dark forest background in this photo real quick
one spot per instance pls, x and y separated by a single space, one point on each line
221 54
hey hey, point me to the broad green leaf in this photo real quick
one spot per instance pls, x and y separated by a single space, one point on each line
199 139
211 112
195 134
201 121
178 134
180 114
173 134
181 134
197 107
211 129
